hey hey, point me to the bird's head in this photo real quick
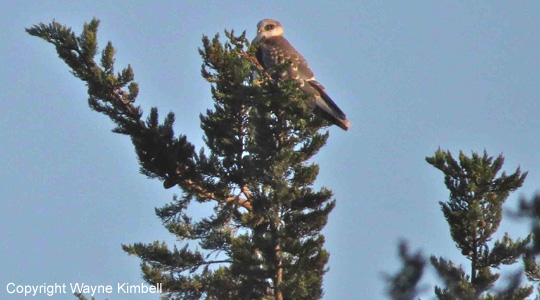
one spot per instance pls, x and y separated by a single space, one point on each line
268 28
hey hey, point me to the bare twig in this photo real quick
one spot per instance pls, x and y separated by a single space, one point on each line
202 193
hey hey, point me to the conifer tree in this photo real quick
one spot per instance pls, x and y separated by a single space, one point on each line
264 239
474 213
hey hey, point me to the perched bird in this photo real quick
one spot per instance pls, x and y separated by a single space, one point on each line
274 49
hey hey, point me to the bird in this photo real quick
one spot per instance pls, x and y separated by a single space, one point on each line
274 49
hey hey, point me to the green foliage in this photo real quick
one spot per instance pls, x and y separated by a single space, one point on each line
404 285
263 240
474 213
474 210
531 211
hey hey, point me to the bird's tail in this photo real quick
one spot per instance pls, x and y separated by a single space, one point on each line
330 116
327 108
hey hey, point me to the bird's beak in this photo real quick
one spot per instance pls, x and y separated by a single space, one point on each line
257 38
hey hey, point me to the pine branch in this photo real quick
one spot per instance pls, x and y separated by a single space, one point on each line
162 156
404 285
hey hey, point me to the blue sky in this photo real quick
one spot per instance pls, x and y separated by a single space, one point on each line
411 77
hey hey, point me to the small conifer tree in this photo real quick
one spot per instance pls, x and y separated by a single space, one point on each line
264 239
473 213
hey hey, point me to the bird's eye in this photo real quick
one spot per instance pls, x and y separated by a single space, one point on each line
269 27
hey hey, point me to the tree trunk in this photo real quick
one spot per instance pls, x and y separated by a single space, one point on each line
278 294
